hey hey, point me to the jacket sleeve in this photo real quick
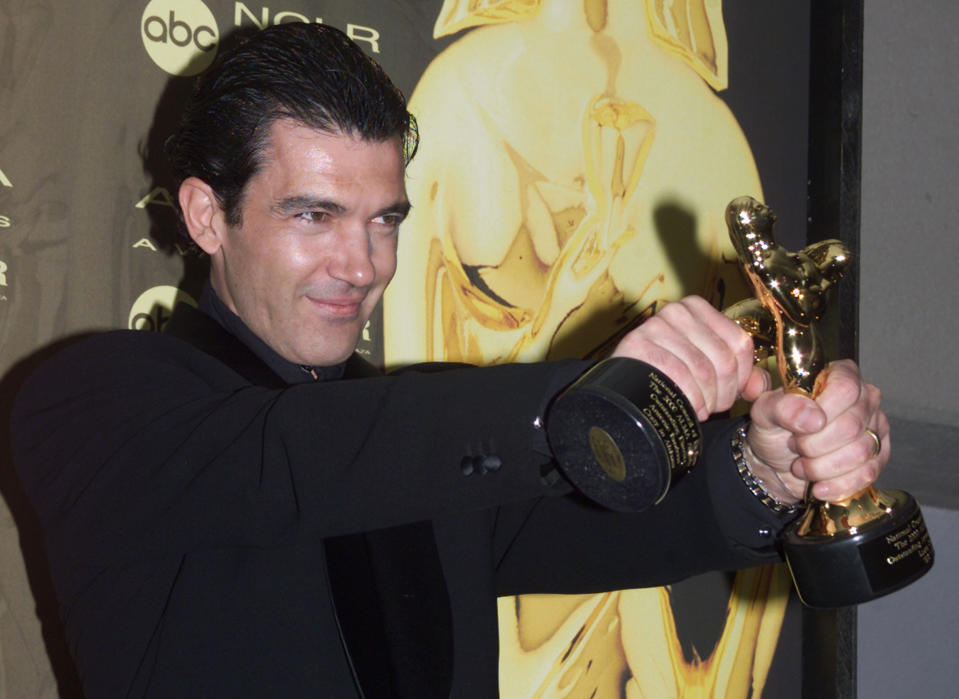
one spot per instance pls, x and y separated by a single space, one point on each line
708 521
132 444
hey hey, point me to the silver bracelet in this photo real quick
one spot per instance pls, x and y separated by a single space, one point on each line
755 485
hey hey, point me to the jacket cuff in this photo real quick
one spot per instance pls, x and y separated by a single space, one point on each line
565 372
746 522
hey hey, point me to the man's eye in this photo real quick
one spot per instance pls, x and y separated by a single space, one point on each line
314 216
391 220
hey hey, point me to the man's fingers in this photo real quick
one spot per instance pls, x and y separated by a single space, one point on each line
858 455
826 441
717 351
727 345
737 340
851 407
788 411
847 428
665 360
691 369
848 481
842 389
707 355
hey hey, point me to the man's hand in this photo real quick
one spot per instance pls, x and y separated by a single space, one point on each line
707 355
794 440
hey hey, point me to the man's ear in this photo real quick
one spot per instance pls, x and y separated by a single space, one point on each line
202 214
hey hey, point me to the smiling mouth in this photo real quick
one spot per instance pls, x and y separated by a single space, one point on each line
337 308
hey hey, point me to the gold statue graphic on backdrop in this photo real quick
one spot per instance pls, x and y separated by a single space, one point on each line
572 178
553 207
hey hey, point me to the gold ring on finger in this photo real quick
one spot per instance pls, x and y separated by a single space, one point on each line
877 447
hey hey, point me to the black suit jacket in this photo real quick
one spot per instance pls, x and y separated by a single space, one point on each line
193 506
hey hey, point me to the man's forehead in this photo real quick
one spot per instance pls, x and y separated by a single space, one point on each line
305 167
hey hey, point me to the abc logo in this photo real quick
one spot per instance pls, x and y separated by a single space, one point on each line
179 35
152 309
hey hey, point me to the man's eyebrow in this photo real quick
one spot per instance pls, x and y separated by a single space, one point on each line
303 203
296 204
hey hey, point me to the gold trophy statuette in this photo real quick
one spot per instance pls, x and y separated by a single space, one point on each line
623 431
874 542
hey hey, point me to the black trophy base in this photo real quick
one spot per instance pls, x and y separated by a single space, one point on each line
850 568
621 433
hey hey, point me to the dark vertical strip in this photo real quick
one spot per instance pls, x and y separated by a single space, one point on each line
835 120
835 125
829 653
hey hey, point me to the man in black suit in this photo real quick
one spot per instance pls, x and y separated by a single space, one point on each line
243 507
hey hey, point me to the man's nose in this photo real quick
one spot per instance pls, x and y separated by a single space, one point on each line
352 261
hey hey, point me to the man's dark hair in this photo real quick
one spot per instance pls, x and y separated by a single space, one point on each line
311 73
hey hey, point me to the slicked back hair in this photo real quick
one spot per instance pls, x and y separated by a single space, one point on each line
311 73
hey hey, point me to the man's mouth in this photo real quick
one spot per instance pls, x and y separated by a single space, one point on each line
339 308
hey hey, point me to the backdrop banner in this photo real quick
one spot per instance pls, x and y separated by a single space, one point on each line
576 160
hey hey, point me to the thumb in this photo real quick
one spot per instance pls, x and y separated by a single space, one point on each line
757 382
792 412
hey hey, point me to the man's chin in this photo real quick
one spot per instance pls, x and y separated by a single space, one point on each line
323 345
328 356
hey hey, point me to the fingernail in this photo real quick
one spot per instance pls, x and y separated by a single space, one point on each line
822 492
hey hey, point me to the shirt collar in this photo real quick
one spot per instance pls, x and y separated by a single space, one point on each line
289 371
